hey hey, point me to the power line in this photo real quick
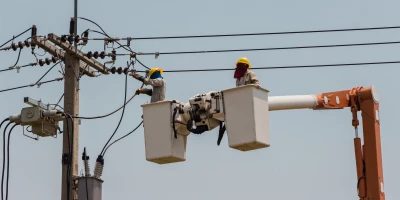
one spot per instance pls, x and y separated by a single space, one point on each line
48 71
105 34
283 67
251 34
33 84
123 137
18 67
16 37
123 111
264 49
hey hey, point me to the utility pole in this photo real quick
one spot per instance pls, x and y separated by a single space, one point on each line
70 140
76 63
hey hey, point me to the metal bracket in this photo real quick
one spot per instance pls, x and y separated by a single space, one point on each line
39 104
23 132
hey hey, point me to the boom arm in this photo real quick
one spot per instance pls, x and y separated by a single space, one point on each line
207 111
370 182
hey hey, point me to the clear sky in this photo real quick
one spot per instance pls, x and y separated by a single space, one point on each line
311 155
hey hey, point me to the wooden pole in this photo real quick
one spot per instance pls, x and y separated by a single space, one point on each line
71 106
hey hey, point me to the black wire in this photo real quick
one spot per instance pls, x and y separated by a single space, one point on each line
123 137
56 105
16 37
30 85
270 49
8 159
87 191
105 34
4 159
267 33
19 55
69 153
106 115
1 124
47 72
284 67
22 66
122 115
142 64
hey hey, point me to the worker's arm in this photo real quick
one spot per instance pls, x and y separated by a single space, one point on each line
153 82
147 91
253 78
147 81
144 91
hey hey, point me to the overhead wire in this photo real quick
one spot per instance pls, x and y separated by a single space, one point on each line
123 137
111 113
282 67
19 55
14 37
17 67
47 71
8 159
264 49
31 85
105 34
123 112
255 34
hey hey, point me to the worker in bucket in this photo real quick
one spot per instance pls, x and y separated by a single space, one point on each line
155 80
242 75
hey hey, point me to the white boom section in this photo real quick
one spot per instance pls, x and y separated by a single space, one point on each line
291 102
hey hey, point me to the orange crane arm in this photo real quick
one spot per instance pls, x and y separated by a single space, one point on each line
368 157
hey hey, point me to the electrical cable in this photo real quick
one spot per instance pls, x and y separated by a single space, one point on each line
106 115
47 72
1 124
142 64
4 159
257 34
123 137
265 49
15 37
284 67
31 85
122 115
19 55
66 116
16 67
8 159
105 34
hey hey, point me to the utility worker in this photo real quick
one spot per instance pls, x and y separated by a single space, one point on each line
158 83
242 75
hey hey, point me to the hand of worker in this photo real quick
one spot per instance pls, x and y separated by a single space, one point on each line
136 76
138 91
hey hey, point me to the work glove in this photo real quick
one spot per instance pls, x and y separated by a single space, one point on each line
138 91
137 76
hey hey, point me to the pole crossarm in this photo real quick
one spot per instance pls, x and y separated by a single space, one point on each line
39 104
79 54
60 53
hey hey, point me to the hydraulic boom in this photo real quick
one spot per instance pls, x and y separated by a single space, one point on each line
370 184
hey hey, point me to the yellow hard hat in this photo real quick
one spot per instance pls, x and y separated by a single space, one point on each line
244 60
155 70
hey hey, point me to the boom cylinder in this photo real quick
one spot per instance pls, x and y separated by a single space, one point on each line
291 102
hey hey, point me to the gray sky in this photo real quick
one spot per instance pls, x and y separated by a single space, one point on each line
311 154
